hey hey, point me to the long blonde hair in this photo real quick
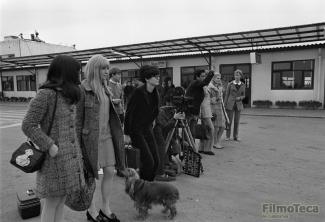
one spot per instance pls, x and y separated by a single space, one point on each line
92 74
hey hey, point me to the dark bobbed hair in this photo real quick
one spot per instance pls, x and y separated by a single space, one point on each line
197 73
63 74
147 71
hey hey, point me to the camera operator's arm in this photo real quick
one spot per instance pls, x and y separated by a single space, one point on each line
207 79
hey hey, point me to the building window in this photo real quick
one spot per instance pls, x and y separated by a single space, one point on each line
26 83
7 83
187 74
293 74
129 75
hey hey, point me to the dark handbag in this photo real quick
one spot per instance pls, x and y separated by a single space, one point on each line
132 157
27 157
201 132
192 164
80 200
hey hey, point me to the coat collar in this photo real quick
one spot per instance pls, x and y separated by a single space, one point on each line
86 86
143 89
234 82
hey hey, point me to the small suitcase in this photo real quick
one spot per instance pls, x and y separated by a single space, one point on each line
132 157
28 204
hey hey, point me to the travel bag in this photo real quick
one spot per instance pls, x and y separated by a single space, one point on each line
132 157
28 204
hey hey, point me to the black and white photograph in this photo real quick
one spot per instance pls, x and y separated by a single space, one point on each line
174 110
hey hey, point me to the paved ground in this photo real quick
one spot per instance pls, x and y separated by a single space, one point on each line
280 160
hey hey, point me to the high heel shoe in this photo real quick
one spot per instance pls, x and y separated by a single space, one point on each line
103 218
90 218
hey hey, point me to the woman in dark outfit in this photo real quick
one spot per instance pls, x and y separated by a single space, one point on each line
141 112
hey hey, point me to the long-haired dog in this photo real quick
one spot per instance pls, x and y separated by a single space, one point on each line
145 193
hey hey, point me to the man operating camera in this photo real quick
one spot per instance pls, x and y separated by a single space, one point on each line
165 121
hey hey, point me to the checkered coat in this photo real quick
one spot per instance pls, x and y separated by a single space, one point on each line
61 174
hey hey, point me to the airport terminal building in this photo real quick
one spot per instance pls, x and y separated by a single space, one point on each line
280 64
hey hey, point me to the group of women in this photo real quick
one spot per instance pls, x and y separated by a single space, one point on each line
86 125
218 106
85 122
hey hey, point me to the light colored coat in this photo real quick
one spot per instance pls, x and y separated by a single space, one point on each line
63 173
232 93
88 128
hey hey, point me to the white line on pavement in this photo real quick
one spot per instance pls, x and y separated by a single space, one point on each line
11 125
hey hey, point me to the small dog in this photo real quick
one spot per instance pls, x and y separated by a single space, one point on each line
145 193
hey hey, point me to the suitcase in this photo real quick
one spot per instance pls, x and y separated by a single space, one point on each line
132 157
28 204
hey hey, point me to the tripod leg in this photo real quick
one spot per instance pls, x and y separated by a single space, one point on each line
170 135
189 136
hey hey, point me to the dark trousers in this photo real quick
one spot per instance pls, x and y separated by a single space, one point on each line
149 159
158 133
230 114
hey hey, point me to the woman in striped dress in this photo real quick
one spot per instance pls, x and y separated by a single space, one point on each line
216 92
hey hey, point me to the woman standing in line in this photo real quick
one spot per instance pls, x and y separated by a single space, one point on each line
62 169
235 93
206 115
216 94
101 132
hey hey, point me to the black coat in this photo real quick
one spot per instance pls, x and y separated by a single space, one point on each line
139 114
195 90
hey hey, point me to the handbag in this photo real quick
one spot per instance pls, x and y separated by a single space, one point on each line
192 164
27 157
80 199
201 131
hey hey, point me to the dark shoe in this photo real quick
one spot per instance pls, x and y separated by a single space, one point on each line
209 153
90 218
164 178
201 151
237 139
103 218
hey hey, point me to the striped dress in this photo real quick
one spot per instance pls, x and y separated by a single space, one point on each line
216 105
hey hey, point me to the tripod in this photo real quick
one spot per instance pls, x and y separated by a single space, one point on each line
181 123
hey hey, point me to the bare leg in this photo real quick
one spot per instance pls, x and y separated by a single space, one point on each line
49 209
59 210
92 208
219 135
107 183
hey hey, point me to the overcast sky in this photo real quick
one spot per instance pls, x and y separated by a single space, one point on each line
103 23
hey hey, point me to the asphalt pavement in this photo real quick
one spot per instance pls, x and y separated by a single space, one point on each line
279 161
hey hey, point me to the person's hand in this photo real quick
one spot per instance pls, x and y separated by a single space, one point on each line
238 98
179 115
53 151
127 139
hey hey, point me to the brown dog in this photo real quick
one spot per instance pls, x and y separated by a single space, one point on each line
145 193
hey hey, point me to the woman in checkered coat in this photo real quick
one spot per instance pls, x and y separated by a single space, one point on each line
62 170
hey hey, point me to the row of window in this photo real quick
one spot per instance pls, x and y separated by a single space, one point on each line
24 83
285 75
